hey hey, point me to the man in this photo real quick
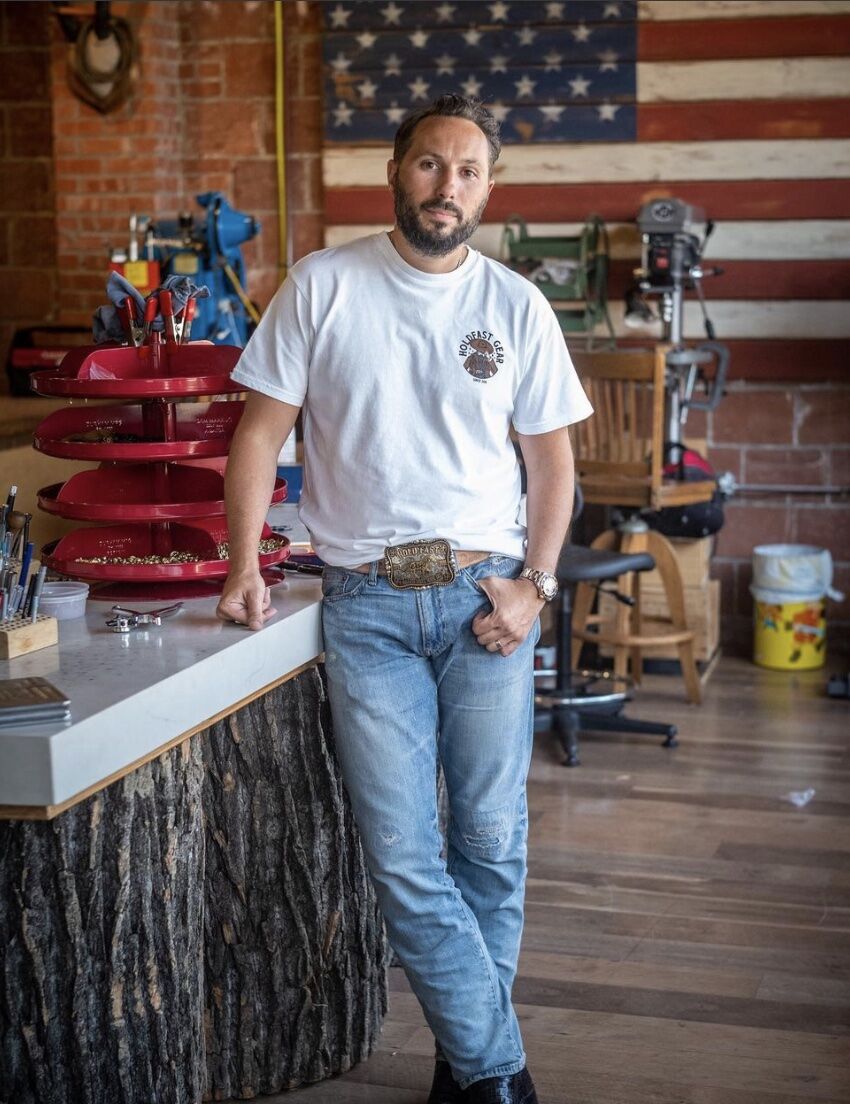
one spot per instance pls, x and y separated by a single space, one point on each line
412 355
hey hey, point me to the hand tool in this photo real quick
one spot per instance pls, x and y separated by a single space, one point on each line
188 316
301 568
36 594
166 309
151 311
127 313
127 619
26 560
10 500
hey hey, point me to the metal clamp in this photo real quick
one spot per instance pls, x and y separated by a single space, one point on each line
127 619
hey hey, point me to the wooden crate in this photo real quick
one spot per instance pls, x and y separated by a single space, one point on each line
694 558
702 607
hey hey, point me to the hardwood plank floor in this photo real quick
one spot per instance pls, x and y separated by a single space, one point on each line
687 933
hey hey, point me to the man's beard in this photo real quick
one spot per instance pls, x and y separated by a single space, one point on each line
432 243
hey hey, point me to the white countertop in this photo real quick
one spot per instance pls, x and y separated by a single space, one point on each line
131 694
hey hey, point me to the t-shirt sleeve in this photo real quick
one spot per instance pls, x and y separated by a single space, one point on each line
276 360
549 394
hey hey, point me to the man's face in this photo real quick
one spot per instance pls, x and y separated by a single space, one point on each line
442 185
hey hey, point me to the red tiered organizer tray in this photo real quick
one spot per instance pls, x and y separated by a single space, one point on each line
161 475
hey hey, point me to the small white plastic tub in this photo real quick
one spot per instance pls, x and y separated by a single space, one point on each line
64 600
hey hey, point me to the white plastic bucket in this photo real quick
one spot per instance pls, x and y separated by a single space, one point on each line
798 569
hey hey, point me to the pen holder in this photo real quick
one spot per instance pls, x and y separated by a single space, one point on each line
19 635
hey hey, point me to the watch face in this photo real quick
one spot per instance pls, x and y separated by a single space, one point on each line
549 586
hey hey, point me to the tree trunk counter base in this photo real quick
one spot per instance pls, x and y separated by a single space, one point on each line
204 928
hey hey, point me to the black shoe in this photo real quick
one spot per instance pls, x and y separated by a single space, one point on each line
444 1090
516 1089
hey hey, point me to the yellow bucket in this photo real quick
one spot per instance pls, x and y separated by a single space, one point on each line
789 636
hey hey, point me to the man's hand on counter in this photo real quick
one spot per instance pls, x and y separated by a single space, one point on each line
246 600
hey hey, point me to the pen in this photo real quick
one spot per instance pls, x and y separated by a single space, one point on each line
26 561
10 499
36 594
27 606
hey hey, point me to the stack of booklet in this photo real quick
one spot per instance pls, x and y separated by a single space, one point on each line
31 701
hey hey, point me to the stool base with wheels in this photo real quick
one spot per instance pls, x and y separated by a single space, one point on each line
590 701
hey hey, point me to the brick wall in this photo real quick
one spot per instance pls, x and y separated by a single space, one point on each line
27 227
782 436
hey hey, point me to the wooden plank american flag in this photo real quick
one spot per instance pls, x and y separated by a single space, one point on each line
741 107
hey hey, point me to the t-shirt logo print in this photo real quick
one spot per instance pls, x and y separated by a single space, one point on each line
482 353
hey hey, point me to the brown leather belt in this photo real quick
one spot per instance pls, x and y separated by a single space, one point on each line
462 559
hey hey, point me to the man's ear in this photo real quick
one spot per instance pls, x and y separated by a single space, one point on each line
392 172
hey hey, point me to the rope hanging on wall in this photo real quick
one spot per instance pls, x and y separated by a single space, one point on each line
102 57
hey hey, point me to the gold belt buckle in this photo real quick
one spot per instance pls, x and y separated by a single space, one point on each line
420 564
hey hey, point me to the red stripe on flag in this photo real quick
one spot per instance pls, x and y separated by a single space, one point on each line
774 359
713 120
803 36
819 280
726 200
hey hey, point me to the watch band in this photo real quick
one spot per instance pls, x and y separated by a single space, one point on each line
545 581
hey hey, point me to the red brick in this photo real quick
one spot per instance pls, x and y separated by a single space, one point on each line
26 186
827 526
34 242
308 234
262 286
754 416
824 416
794 466
255 185
725 571
232 131
28 23
5 235
30 133
26 294
839 466
24 76
726 459
305 126
249 69
304 60
840 610
748 524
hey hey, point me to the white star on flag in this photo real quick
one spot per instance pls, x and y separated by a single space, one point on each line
607 111
498 64
367 90
419 38
395 114
612 11
340 63
579 86
342 114
526 36
552 112
367 40
445 13
391 13
472 36
553 61
609 61
339 16
525 85
581 33
499 111
392 66
419 89
499 11
445 64
554 11
471 87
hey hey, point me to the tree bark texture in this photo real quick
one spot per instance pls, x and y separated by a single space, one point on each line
101 921
202 928
294 943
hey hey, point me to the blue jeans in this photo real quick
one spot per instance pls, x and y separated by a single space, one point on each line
408 682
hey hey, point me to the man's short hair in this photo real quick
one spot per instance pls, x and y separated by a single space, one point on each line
459 107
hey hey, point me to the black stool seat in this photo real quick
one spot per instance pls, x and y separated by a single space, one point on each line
578 564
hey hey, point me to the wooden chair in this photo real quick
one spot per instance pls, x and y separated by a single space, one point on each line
619 462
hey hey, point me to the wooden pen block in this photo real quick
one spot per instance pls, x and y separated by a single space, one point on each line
19 635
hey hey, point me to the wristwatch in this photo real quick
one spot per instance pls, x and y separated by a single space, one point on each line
547 584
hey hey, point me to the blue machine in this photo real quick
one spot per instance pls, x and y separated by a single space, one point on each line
206 249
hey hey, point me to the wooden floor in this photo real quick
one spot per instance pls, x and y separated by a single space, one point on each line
686 934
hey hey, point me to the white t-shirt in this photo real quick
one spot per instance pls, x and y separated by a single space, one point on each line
410 382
